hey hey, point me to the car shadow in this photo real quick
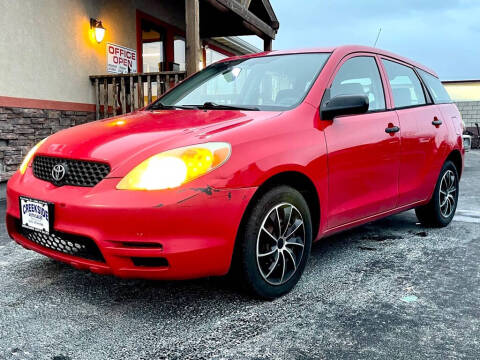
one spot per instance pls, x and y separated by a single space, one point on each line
394 227
197 295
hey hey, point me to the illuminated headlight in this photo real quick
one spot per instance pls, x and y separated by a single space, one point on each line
176 167
29 156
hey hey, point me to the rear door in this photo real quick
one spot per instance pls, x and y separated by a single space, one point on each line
363 158
449 110
423 132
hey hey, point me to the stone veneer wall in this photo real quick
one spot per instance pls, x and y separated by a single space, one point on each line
21 128
470 111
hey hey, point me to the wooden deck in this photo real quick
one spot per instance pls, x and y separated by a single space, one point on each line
117 94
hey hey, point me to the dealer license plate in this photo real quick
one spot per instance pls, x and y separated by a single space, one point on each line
36 214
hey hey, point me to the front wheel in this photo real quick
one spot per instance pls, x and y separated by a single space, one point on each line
275 243
440 210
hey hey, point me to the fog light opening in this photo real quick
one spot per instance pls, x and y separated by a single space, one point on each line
150 261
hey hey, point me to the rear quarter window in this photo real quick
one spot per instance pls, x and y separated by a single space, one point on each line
435 87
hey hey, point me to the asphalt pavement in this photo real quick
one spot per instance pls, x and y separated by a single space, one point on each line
389 289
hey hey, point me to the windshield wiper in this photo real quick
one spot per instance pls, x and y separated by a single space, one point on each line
214 106
159 106
206 106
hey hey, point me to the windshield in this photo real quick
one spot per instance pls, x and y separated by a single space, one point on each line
277 82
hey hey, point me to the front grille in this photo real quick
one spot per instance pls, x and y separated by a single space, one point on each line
70 244
77 172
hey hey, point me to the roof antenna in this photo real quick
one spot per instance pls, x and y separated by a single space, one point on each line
378 35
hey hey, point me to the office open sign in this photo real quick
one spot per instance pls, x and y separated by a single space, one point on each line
121 60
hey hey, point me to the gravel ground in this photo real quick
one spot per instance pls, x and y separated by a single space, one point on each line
389 289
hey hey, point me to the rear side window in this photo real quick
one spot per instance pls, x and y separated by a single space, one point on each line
406 87
360 76
435 87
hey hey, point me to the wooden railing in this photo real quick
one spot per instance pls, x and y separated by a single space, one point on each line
123 93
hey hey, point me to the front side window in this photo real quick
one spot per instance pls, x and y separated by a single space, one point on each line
360 76
438 92
406 87
277 82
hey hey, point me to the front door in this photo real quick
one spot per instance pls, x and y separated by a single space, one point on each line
363 150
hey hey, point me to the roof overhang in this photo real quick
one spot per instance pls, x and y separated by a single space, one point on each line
236 45
219 18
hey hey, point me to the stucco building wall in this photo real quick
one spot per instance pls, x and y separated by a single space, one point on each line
47 53
463 90
47 50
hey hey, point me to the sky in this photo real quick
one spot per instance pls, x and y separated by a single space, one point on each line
444 35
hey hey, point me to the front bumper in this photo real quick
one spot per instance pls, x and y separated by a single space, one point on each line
192 228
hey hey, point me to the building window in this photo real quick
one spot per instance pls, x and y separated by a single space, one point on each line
212 56
179 53
153 47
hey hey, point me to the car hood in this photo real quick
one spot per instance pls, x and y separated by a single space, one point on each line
144 133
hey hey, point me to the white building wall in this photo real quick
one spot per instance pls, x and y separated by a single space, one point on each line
46 48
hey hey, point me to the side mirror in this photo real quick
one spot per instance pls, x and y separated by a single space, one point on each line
344 105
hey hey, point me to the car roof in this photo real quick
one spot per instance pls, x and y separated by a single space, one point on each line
341 51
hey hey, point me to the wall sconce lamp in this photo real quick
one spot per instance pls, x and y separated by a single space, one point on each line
98 29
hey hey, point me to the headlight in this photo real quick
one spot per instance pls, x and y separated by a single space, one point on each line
176 167
28 157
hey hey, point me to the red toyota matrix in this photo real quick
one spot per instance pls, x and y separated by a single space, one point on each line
243 165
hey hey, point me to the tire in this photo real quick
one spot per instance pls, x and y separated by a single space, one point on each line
282 252
440 210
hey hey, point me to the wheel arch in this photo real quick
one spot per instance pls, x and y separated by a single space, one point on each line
297 180
304 185
456 157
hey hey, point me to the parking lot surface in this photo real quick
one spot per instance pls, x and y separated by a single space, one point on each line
389 289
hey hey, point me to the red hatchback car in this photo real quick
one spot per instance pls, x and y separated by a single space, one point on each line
244 165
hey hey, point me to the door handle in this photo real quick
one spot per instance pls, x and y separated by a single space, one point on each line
436 121
392 129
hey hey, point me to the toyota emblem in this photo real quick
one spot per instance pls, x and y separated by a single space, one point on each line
58 172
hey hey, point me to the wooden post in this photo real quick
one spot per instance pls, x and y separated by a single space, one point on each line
97 99
105 98
141 99
132 93
149 89
167 83
163 82
123 96
246 3
193 49
158 86
114 86
267 44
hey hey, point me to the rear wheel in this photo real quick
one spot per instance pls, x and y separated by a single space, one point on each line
275 243
440 210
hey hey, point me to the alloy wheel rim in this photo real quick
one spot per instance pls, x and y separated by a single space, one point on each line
448 192
280 244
